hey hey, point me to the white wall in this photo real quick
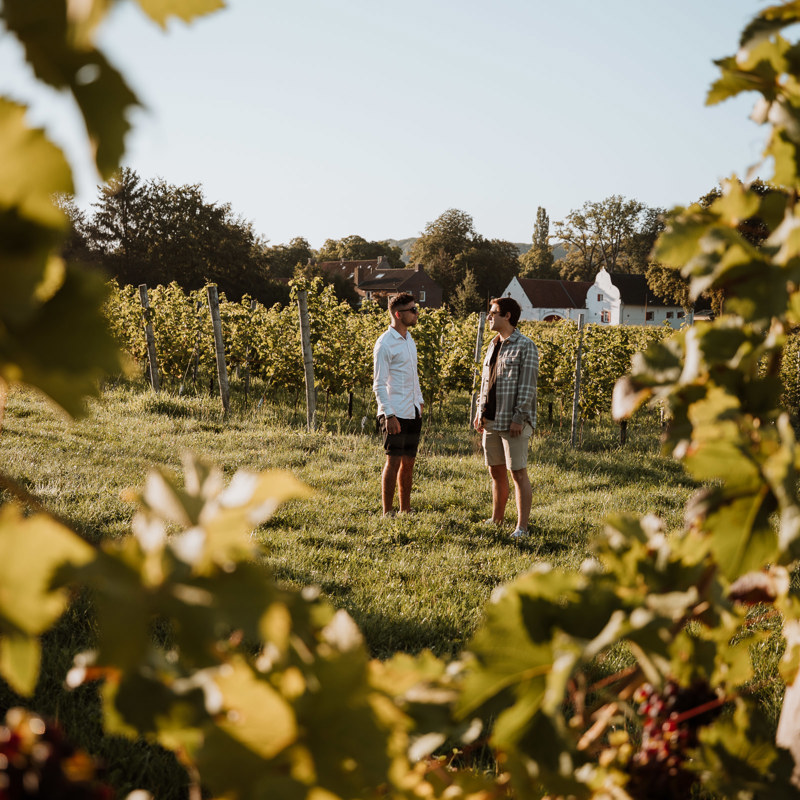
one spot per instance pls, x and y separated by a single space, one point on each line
603 296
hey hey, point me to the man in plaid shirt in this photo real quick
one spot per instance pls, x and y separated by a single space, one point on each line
506 412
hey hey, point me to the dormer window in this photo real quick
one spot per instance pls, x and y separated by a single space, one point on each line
599 298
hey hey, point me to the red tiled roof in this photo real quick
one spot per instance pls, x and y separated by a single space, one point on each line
386 278
554 293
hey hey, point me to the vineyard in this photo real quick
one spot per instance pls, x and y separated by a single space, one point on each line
264 343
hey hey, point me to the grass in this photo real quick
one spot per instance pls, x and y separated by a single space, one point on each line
412 582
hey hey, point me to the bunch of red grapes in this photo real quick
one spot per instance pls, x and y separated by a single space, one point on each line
671 719
37 762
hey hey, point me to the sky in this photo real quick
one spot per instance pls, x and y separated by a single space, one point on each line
327 118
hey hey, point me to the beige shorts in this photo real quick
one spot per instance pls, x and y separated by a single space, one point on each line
499 447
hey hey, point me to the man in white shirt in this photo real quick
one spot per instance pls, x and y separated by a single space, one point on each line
396 387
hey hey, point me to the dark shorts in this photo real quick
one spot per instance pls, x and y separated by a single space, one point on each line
404 443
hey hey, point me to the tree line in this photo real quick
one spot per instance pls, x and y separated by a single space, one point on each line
149 231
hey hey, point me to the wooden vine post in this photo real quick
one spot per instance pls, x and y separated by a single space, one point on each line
576 398
219 347
152 358
308 360
476 373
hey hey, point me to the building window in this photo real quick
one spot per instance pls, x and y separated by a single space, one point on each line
670 314
649 316
422 295
599 298
681 315
605 316
368 295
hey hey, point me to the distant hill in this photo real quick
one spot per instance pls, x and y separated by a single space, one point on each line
406 244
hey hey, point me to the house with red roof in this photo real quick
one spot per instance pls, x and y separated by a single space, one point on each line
611 299
374 280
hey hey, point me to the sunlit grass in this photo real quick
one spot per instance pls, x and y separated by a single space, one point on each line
410 582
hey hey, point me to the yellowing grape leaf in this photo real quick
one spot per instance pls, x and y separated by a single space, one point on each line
31 549
250 499
255 714
161 10
32 169
19 662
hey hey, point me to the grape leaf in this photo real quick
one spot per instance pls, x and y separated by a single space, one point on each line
32 170
59 351
19 662
161 10
31 550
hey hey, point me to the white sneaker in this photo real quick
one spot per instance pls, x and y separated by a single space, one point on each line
519 534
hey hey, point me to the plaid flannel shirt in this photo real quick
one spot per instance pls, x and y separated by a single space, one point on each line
517 372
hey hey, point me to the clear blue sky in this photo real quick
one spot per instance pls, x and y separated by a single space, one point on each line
322 119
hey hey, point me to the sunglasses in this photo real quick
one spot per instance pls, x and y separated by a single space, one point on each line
413 309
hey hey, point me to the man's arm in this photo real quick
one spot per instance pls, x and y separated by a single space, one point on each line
380 379
525 400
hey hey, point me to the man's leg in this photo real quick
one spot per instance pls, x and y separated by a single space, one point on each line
404 478
388 481
499 491
524 496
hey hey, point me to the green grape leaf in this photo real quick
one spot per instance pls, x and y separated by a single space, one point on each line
742 538
737 753
32 170
30 272
229 767
769 21
506 656
147 706
161 10
680 241
104 102
347 739
59 351
19 662
786 157
63 57
31 550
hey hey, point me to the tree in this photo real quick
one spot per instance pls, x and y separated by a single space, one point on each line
637 250
538 262
442 240
356 248
155 233
466 297
596 234
113 229
282 259
494 262
76 245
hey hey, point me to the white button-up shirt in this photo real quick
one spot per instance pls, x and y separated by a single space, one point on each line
396 380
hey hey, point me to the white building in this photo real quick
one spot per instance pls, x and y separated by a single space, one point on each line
611 300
